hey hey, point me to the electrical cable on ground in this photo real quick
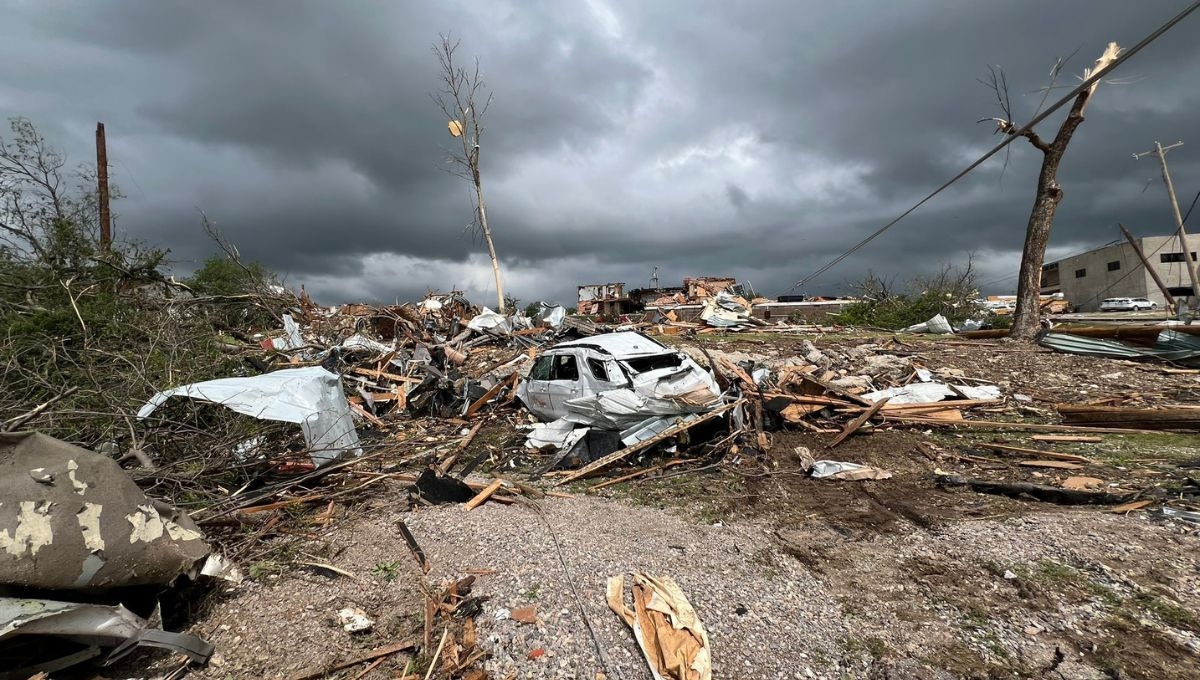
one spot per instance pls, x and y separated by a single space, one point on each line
1095 77
571 582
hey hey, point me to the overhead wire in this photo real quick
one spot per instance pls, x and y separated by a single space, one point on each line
1087 82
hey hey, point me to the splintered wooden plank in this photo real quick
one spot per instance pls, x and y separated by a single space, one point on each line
372 373
1003 448
483 495
1057 464
858 422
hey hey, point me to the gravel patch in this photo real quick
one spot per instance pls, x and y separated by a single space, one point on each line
759 606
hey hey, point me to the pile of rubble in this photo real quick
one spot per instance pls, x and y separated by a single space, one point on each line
398 394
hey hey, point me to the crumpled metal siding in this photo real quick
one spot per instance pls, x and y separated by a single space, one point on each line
1171 347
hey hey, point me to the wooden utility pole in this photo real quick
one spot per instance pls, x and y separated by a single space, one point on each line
102 182
1137 248
1161 151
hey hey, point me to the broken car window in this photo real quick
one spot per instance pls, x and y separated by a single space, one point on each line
541 368
565 368
643 364
597 368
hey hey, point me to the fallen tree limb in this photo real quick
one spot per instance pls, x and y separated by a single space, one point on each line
13 423
1041 492
387 650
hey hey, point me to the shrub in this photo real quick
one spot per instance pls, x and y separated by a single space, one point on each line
951 292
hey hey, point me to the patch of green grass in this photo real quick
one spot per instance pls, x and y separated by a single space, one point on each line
1055 573
532 593
874 646
263 568
1169 613
387 571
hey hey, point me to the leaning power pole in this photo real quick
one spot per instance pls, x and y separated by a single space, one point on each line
102 182
1161 151
1137 249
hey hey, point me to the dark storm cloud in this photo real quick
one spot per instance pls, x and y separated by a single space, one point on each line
756 139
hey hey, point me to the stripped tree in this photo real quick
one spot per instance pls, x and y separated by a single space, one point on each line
1027 317
464 99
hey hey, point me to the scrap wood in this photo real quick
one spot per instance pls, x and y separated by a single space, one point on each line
381 374
462 445
1082 483
384 651
809 399
366 415
1037 427
667 628
1173 418
490 394
858 422
833 389
329 568
938 405
1041 492
1127 507
1067 438
483 495
1037 452
640 473
638 446
413 546
1058 464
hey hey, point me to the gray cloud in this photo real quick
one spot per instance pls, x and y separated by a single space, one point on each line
752 139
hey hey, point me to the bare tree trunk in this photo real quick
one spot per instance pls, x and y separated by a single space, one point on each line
487 237
459 102
1027 316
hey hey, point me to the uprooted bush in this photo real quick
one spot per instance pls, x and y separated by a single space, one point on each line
951 292
90 331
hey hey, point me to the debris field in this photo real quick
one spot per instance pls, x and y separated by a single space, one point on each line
439 490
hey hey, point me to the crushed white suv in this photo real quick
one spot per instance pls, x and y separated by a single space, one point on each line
1126 304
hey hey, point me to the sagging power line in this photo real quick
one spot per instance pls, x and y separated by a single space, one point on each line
1024 130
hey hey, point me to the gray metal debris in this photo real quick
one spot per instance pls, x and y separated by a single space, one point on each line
311 397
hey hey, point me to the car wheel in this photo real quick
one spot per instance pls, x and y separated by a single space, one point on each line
1153 306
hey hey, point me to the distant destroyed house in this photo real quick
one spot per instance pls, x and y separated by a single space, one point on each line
604 299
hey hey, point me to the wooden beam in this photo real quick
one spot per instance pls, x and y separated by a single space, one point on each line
1036 427
483 495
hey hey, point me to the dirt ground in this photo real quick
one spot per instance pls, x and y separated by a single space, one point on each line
794 577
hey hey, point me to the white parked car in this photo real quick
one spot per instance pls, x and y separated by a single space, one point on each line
1127 304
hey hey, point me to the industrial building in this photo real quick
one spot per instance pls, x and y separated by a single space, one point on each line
1115 270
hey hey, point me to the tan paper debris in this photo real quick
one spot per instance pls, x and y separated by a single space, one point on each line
667 629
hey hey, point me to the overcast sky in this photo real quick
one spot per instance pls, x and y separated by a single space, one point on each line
750 139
